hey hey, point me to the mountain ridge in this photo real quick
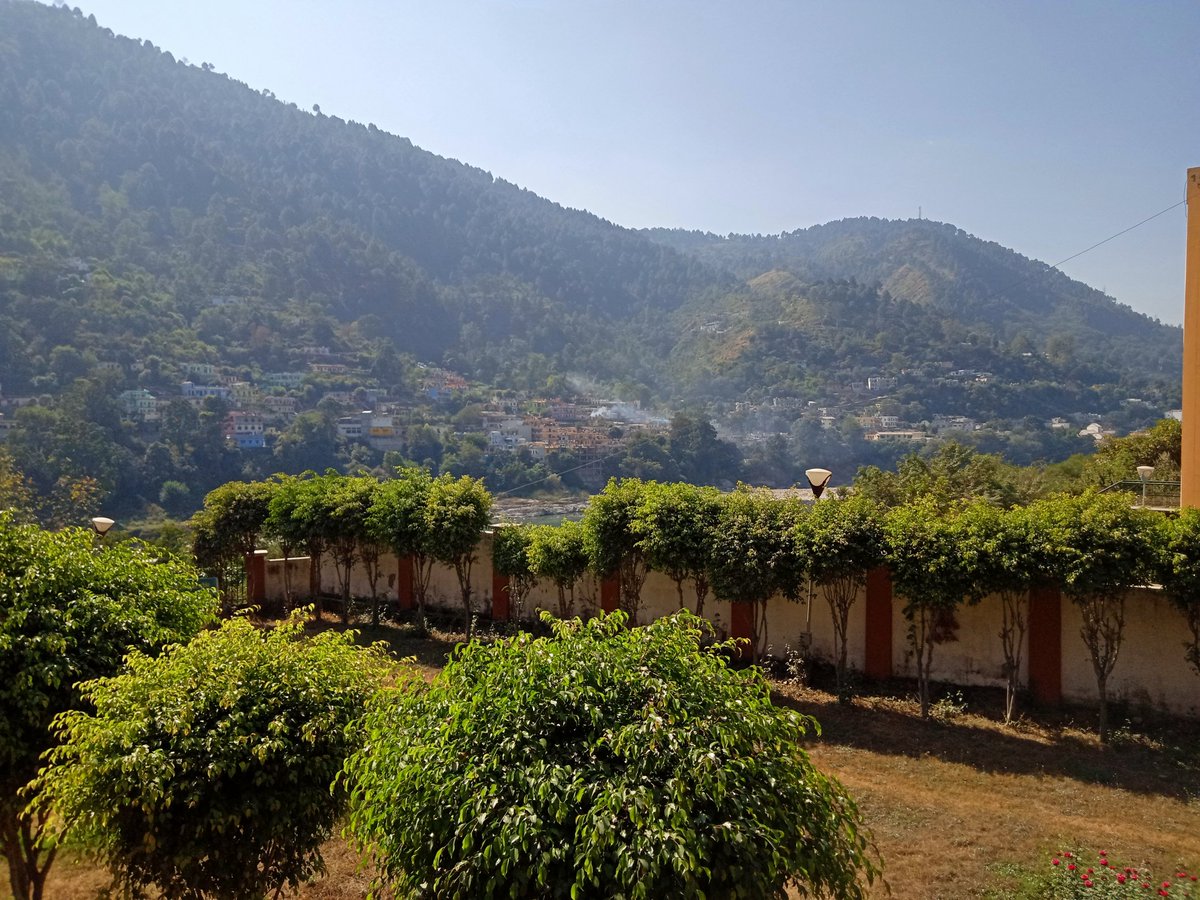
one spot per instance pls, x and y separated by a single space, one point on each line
196 185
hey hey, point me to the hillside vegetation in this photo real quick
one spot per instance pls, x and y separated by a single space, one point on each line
156 215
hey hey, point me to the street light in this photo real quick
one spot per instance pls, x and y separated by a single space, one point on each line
1144 473
101 525
818 480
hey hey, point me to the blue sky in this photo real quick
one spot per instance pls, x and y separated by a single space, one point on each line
1044 126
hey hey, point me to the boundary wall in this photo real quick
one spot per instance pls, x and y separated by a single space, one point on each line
1151 671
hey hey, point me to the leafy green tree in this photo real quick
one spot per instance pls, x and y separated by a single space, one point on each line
1098 546
510 557
843 540
1181 576
289 522
598 762
16 491
934 568
952 473
752 558
68 613
675 525
702 457
457 510
227 529
347 505
206 771
559 552
397 519
612 542
1117 459
1010 550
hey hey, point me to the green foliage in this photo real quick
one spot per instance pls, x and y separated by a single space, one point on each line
397 520
1180 574
559 553
611 539
206 772
599 762
227 528
1117 459
1097 544
935 568
842 540
953 472
457 510
753 557
1097 547
842 537
675 526
69 611
510 557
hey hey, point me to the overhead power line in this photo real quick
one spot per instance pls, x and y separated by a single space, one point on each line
1118 234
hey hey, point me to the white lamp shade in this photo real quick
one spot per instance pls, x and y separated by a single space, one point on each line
817 480
1144 472
102 524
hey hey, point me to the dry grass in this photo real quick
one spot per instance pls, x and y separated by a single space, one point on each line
960 806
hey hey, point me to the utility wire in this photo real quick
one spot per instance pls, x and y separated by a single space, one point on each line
522 487
1118 234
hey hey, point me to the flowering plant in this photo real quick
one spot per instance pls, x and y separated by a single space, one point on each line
1072 876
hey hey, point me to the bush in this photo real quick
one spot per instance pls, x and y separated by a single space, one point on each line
207 771
1072 876
69 612
599 762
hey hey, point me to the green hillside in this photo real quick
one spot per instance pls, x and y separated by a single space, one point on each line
157 218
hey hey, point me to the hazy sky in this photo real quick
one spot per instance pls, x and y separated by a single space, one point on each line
1044 126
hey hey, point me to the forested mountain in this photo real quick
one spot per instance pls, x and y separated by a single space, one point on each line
156 216
111 150
965 287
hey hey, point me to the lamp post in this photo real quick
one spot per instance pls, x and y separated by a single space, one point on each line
101 525
1144 473
818 480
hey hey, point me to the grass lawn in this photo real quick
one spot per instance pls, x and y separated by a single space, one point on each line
960 805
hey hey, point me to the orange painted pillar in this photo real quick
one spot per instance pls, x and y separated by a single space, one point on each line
404 583
500 599
256 576
877 661
1189 491
1045 644
610 593
741 627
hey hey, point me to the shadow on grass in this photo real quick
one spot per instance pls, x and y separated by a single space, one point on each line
1167 764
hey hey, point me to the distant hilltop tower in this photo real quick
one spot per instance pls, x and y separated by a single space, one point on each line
1190 469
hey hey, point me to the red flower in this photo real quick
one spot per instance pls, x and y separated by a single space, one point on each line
1120 879
1055 861
1071 866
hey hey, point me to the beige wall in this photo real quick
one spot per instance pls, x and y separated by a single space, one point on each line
1151 669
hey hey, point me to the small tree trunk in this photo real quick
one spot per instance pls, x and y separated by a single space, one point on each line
701 594
1012 639
288 599
1193 649
462 568
28 864
1102 689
